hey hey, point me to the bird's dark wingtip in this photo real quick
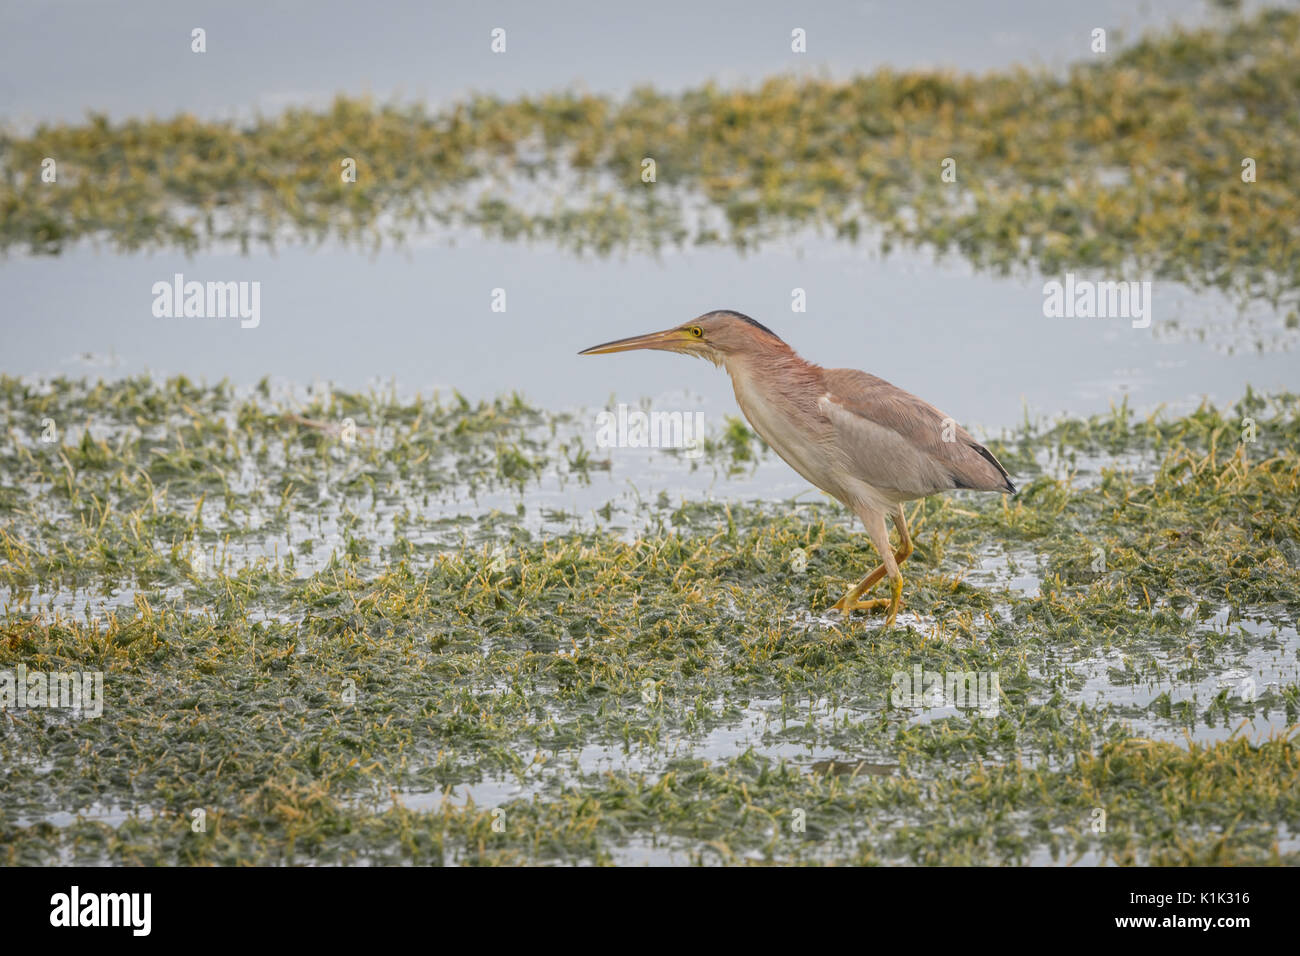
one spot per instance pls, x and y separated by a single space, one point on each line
1008 484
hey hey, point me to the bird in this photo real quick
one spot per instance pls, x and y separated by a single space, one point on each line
869 444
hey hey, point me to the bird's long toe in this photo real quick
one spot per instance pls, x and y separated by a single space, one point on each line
870 605
891 603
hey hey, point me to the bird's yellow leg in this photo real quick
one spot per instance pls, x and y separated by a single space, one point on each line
850 600
851 596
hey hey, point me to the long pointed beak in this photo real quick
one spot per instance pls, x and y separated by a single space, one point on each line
668 339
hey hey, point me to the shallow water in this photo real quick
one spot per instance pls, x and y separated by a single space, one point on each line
111 60
976 345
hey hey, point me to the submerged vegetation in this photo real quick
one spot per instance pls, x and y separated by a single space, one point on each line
309 634
1131 159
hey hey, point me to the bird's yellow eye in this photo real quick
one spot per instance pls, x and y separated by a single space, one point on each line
696 331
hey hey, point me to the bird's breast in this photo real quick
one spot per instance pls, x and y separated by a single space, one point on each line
800 435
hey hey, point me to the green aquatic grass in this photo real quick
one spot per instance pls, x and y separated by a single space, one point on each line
328 688
1129 161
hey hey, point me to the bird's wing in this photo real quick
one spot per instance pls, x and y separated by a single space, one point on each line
896 441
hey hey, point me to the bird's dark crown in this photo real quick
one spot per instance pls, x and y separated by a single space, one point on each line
731 313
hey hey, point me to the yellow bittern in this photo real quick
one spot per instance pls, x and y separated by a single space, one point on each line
863 441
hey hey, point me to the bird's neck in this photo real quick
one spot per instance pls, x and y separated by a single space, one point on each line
774 371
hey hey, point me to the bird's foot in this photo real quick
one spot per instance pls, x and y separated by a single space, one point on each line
891 603
872 605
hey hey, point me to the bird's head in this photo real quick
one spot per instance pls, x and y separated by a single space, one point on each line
715 336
